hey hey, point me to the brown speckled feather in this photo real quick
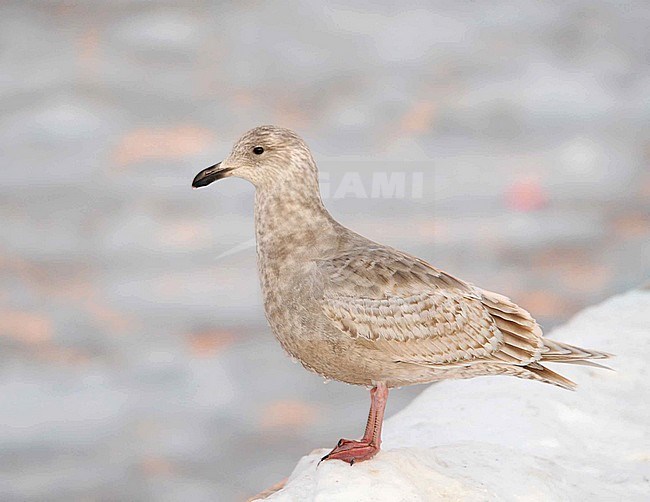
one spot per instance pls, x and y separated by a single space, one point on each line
403 306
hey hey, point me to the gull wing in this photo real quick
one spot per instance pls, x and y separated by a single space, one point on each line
400 304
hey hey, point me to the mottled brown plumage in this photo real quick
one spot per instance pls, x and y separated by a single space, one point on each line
367 314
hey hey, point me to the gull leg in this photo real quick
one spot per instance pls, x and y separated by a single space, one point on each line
352 451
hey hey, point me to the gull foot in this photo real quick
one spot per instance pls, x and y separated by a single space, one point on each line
351 451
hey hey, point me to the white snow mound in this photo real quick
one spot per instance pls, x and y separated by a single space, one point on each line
499 438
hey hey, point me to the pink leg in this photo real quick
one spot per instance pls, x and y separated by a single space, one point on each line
357 451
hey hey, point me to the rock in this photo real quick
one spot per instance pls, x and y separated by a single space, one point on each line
507 439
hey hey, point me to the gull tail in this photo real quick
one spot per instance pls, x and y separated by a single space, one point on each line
558 352
546 375
525 345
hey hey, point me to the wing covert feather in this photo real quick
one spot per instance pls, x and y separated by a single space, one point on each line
394 302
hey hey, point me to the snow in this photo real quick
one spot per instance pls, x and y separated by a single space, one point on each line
497 438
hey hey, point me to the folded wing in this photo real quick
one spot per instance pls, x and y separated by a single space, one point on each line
421 314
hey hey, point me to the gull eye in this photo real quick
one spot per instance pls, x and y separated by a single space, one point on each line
258 150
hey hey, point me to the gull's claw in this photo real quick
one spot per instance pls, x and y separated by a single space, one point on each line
352 451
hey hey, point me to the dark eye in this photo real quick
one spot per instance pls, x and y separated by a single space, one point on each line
258 150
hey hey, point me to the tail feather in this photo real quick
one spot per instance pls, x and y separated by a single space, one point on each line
585 363
564 353
548 376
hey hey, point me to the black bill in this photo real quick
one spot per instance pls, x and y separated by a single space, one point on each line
208 175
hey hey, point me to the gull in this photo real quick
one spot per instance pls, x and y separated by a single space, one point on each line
359 312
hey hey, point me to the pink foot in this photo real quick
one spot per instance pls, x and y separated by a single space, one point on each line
352 451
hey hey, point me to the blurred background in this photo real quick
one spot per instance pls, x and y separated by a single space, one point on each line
135 360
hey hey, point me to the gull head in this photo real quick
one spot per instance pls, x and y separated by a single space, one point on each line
267 156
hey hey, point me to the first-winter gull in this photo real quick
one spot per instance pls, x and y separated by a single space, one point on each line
367 314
